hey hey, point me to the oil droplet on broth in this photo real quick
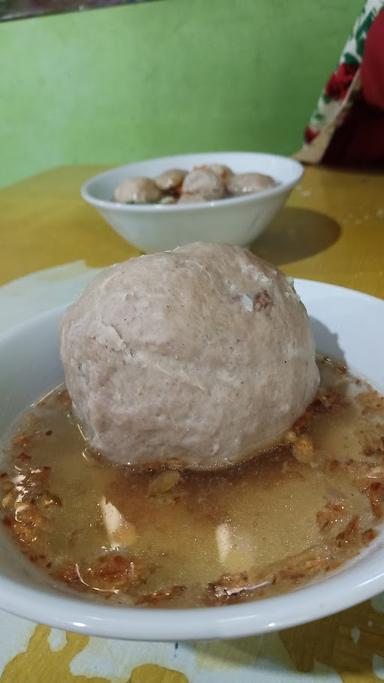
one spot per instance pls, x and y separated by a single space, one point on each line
188 538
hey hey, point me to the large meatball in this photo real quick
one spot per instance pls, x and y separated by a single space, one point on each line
197 356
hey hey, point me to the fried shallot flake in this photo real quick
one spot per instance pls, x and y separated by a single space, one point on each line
332 513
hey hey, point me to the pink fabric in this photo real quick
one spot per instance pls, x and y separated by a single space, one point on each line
372 68
360 139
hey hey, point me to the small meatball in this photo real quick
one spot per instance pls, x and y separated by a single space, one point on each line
170 180
168 199
137 190
204 182
246 183
186 198
222 171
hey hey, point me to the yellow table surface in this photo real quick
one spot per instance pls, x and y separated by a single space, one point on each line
332 230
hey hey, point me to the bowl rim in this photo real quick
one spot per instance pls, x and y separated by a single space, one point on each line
340 590
153 624
281 187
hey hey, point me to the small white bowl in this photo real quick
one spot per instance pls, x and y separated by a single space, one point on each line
346 324
237 220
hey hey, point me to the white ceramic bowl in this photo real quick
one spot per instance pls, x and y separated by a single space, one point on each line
155 227
346 324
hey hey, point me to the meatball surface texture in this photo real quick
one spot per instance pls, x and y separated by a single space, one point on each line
196 357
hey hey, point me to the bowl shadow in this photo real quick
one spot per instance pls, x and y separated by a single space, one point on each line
327 342
296 234
343 644
249 658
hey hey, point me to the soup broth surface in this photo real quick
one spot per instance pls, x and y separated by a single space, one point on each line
183 538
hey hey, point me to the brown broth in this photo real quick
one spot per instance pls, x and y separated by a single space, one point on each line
185 539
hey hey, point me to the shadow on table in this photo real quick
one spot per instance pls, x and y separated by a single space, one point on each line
296 234
327 342
349 644
255 658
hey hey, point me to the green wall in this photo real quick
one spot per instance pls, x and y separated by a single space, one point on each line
119 84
